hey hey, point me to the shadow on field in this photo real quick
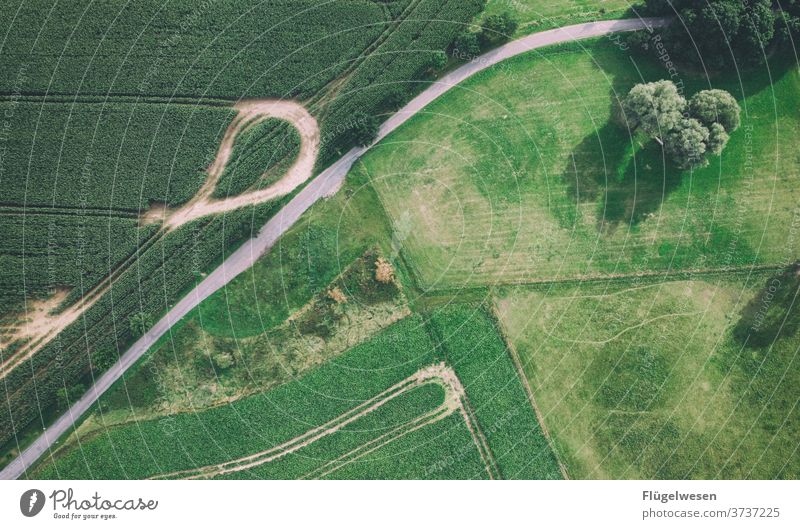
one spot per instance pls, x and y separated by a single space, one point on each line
772 313
625 174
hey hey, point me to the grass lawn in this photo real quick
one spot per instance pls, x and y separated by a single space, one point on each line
664 380
518 175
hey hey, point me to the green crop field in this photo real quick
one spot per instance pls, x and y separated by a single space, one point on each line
473 346
260 157
109 116
188 441
664 380
522 177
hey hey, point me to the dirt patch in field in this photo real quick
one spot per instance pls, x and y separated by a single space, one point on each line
252 112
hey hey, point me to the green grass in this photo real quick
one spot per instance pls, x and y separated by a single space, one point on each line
330 236
195 369
539 15
662 380
260 157
472 344
518 175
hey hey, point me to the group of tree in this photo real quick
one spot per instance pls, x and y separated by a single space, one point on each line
717 33
688 130
493 30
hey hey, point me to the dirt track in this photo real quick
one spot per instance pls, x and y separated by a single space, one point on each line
41 326
250 113
441 374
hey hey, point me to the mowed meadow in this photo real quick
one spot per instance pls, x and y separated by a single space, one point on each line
665 380
520 175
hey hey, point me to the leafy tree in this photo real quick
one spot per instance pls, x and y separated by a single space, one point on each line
140 323
717 139
497 28
68 396
656 107
715 106
466 45
716 33
438 61
103 358
688 131
686 143
365 130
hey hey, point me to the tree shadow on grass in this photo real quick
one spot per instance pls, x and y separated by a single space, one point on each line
626 177
772 313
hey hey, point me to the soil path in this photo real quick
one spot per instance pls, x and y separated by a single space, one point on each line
440 374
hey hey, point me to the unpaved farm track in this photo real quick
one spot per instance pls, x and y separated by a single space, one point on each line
440 374
42 326
250 113
325 184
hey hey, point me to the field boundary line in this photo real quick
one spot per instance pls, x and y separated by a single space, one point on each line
514 354
655 276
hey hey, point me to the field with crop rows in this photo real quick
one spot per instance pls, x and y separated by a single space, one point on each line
118 112
252 425
260 156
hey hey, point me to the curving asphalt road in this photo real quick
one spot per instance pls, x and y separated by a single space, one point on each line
325 184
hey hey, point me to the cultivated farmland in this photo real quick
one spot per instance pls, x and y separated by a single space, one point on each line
327 405
116 116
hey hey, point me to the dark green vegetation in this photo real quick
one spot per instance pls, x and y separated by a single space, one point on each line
261 155
111 114
78 251
659 380
253 424
472 344
724 33
108 158
186 48
540 15
168 265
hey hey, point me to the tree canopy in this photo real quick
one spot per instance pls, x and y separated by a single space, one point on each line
687 130
718 33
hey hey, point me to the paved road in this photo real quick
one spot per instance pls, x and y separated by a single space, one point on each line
325 184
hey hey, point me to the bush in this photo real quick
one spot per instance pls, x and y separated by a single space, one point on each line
466 46
497 28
